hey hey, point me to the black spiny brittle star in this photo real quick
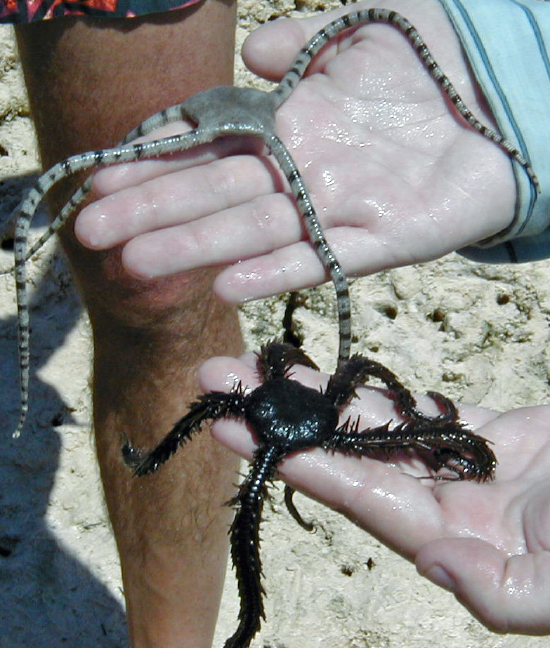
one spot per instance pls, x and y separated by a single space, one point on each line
217 113
287 417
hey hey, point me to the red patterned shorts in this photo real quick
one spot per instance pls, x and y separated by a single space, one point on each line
24 11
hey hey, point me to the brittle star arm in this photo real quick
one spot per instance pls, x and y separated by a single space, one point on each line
241 104
211 406
444 436
27 209
395 19
70 167
318 241
245 544
450 444
255 122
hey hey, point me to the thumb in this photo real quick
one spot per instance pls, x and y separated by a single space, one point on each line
270 50
507 593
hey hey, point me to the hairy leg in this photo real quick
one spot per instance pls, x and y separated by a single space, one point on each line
91 81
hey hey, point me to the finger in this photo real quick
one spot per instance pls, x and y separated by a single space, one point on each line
518 450
261 226
174 198
120 176
506 593
297 266
284 36
372 405
223 373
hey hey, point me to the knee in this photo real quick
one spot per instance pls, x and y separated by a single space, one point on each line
116 299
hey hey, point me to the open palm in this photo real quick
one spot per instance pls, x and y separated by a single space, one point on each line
488 543
396 177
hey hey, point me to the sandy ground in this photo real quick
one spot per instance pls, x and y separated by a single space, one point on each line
477 333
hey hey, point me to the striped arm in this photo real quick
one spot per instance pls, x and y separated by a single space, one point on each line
389 17
24 215
318 242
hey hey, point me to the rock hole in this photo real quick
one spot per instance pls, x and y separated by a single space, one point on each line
389 310
438 315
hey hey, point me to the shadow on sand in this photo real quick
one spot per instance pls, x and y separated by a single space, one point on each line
47 596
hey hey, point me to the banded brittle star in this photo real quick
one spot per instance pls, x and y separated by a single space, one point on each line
216 113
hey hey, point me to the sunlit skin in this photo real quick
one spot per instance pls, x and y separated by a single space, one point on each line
488 543
396 179
287 417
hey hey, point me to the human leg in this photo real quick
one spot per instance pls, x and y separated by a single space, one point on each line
89 83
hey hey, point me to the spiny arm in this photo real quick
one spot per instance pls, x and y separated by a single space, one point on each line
213 406
245 544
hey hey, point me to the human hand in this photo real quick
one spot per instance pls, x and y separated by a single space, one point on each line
395 176
488 543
